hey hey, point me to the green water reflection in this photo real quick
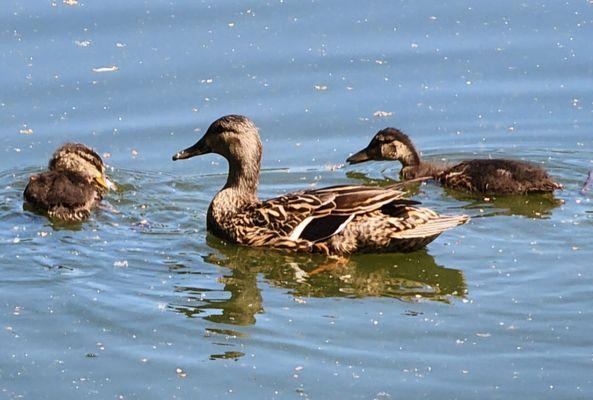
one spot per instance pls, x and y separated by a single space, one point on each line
407 277
532 205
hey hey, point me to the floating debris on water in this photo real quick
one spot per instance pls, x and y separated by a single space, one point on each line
333 167
320 88
82 43
70 2
120 45
26 131
134 153
121 264
181 373
382 114
228 355
207 81
112 68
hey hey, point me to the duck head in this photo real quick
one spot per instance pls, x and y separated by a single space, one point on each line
76 157
388 144
234 137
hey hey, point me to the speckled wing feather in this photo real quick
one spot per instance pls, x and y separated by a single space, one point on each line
63 195
312 215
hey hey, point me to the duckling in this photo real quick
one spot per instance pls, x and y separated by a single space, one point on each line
74 184
480 176
333 220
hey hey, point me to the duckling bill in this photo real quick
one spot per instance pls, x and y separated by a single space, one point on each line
332 220
481 176
73 185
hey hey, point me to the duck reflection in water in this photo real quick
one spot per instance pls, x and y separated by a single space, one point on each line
407 277
537 205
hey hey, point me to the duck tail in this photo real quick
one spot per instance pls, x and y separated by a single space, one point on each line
433 227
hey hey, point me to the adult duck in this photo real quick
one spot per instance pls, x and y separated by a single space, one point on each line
333 220
480 176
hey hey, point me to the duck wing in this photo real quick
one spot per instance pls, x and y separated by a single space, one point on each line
316 215
63 195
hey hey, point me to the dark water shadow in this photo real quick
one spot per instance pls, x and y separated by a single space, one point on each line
366 180
406 277
411 189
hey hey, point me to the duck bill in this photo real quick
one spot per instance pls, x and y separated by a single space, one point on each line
359 157
110 185
196 150
105 183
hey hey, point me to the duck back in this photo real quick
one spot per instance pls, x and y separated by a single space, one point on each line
61 194
498 177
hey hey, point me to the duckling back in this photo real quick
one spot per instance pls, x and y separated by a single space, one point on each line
62 195
498 177
74 184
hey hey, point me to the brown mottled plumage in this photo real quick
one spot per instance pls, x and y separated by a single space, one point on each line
73 185
332 220
487 176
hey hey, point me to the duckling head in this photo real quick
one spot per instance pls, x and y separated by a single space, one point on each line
76 157
234 137
388 144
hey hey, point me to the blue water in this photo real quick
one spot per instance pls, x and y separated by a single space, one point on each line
140 302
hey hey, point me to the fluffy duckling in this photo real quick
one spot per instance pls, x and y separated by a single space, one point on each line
74 183
333 220
485 177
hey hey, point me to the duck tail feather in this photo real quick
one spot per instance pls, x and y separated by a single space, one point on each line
433 227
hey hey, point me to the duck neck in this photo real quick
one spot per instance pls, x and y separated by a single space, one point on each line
413 166
408 155
242 180
421 170
240 190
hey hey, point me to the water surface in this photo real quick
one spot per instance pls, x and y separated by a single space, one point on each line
140 302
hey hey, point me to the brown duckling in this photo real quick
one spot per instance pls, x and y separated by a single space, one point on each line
333 220
482 176
74 183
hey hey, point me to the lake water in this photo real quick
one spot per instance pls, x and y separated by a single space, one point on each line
141 303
